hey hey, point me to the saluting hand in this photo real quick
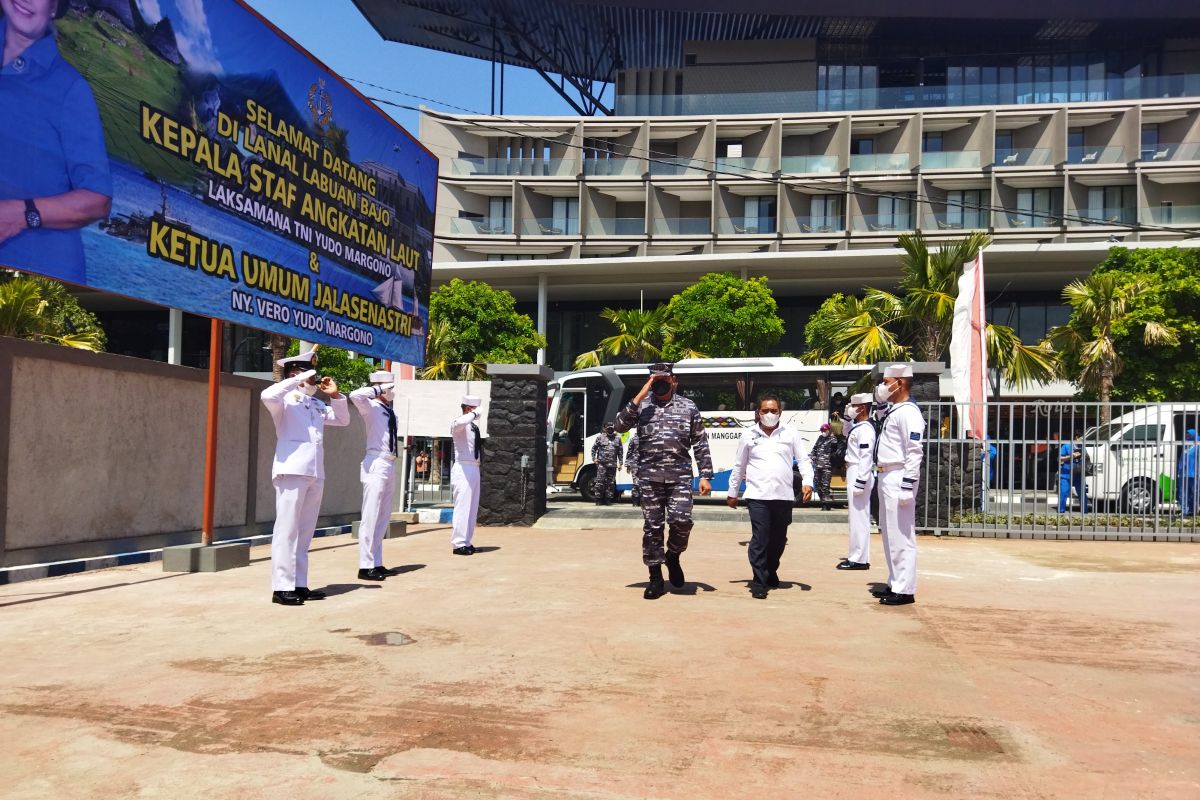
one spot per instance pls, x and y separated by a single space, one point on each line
645 391
329 386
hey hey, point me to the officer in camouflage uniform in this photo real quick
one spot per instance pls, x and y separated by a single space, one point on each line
822 459
669 429
607 456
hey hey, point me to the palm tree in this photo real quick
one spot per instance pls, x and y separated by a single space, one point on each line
1086 341
861 331
441 348
641 336
24 315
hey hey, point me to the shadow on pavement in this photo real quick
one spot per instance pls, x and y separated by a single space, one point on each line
405 568
345 588
804 587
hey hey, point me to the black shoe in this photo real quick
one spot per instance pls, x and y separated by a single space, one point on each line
369 575
893 599
382 573
773 580
758 591
287 598
463 551
881 591
471 547
306 593
655 588
674 571
848 564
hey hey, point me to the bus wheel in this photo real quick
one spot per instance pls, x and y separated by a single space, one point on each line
586 484
1138 496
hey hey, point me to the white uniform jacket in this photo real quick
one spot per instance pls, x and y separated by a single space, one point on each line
860 447
300 423
765 462
901 440
464 438
375 417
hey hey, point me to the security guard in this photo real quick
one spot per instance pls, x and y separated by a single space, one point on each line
899 451
669 430
607 455
464 476
298 471
378 472
860 480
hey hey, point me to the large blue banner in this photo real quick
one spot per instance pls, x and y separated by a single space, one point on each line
186 153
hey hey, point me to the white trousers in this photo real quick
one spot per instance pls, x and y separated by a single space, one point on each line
464 483
898 524
297 505
378 476
859 507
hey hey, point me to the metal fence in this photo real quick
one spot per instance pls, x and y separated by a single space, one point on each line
427 473
1063 470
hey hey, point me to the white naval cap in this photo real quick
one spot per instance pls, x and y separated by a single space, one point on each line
898 371
864 399
382 376
471 400
302 358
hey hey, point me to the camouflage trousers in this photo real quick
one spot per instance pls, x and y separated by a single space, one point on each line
669 503
606 484
822 477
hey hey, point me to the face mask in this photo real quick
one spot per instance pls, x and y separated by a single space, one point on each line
661 388
883 393
388 396
308 388
851 414
770 419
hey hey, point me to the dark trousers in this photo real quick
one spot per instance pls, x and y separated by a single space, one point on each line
769 520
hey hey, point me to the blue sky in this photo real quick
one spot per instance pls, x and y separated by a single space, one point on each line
335 32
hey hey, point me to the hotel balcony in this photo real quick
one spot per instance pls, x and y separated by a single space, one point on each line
746 226
1103 216
880 162
809 165
614 167
534 167
1024 157
1188 216
682 226
616 226
814 224
480 227
1090 154
891 223
550 226
1183 151
951 159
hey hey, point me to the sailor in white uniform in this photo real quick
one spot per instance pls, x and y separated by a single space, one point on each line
378 472
298 471
860 479
464 475
898 454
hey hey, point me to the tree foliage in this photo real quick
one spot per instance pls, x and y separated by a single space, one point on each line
642 335
724 316
43 310
481 326
350 373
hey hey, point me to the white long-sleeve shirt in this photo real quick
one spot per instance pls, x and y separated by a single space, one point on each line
764 460
300 422
375 416
462 430
901 440
860 446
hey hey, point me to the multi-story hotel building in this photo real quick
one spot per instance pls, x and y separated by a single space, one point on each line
798 146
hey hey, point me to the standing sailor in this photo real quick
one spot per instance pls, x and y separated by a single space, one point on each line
298 471
378 472
464 476
899 451
860 480
607 455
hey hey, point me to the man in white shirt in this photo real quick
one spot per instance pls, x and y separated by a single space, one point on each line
298 471
764 458
378 472
860 479
464 476
899 451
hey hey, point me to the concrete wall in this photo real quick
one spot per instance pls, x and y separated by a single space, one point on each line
104 454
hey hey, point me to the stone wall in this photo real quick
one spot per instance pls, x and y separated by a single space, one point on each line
512 494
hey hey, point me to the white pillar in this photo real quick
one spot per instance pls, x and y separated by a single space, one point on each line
541 316
744 272
174 336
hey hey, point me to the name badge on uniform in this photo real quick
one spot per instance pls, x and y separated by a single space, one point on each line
916 437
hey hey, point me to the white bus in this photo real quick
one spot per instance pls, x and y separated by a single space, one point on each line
1135 457
724 389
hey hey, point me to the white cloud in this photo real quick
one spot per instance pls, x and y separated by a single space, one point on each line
195 37
150 11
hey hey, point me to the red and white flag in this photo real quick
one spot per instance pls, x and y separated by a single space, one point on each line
968 350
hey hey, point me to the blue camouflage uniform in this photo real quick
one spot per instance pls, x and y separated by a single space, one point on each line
607 456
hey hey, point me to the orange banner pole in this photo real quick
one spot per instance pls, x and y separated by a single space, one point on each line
210 444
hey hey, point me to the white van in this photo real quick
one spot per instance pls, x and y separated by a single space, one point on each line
1135 457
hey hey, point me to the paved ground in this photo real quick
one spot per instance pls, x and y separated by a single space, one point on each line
535 670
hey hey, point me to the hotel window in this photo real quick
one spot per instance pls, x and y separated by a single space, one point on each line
760 214
968 209
894 213
827 212
499 215
566 215
1109 205
1037 208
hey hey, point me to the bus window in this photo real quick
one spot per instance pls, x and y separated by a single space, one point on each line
597 403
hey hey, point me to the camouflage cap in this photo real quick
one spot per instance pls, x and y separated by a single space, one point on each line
662 368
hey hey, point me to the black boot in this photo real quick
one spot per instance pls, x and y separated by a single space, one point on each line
655 588
674 571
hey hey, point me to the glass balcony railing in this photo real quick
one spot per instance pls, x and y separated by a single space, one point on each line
814 224
550 226
928 96
1172 215
951 159
1024 157
755 167
1099 154
809 165
682 226
883 222
670 166
1114 215
480 227
1183 151
616 226
1024 220
534 167
879 162
614 167
960 220
743 226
